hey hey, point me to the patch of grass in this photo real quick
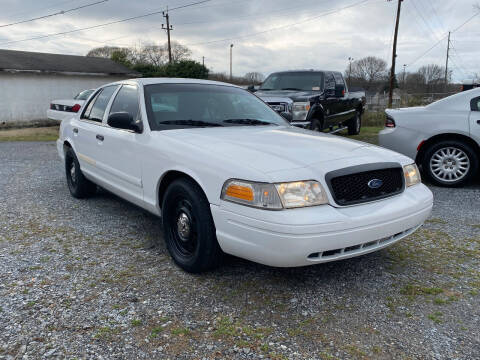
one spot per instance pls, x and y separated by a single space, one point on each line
436 317
30 304
156 331
436 221
368 134
106 333
415 290
30 134
181 331
136 322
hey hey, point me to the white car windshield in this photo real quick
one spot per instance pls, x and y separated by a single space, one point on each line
177 106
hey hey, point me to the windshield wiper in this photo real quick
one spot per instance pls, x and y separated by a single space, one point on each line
264 89
190 122
247 122
297 89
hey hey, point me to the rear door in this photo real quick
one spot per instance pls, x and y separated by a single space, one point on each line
120 157
87 132
475 119
345 111
331 102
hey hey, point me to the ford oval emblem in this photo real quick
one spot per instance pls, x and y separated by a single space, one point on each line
375 183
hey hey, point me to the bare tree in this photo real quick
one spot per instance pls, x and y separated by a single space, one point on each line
104 51
179 51
368 72
154 54
254 77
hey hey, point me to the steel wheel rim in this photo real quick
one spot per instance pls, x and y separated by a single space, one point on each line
449 164
183 229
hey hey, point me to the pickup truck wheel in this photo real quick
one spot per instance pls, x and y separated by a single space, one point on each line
450 163
80 187
316 125
188 227
355 124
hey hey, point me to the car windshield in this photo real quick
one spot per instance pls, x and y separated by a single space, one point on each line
306 81
83 95
178 106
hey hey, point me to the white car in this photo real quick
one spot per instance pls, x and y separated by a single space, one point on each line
228 174
443 137
63 109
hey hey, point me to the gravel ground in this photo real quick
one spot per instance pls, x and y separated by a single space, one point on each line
82 279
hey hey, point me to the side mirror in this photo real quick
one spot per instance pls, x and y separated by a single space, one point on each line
339 90
287 116
123 120
251 88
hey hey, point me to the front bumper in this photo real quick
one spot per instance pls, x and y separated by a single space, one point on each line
306 236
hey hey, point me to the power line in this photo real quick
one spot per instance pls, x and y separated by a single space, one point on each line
61 12
104 24
443 38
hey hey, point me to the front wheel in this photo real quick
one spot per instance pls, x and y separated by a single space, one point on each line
355 124
450 163
188 227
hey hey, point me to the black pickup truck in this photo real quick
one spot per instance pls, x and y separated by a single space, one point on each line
317 100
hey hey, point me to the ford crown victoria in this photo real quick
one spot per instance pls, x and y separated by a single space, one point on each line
227 174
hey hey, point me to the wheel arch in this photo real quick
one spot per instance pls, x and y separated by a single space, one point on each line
444 137
169 177
317 112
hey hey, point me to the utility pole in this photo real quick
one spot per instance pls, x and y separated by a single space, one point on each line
350 59
404 75
446 62
231 74
168 28
203 61
394 55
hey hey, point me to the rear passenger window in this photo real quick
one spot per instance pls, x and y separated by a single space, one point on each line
339 79
96 108
126 101
329 81
475 104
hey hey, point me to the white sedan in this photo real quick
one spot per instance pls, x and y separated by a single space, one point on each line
227 174
443 137
63 109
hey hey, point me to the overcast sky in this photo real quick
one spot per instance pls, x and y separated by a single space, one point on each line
268 35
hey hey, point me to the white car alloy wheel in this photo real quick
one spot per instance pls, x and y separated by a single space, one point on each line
449 164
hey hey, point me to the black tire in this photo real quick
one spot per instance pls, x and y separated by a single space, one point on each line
316 125
80 187
460 160
188 227
355 124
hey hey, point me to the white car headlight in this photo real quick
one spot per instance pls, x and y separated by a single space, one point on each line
412 175
300 110
274 196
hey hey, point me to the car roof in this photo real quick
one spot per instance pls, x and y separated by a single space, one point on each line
162 80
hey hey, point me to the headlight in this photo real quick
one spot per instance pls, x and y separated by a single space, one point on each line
300 110
274 196
412 175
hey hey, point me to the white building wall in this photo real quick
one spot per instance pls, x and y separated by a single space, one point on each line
25 97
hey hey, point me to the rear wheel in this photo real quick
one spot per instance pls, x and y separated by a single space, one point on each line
355 124
316 125
188 227
80 187
450 163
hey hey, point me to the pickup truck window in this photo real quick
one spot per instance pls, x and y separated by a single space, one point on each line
329 81
306 81
178 106
96 107
126 101
339 79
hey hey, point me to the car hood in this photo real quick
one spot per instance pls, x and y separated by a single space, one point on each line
271 149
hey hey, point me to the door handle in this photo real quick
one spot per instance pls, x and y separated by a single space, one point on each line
75 130
100 137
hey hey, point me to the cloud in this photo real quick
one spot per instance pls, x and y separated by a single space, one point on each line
325 42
